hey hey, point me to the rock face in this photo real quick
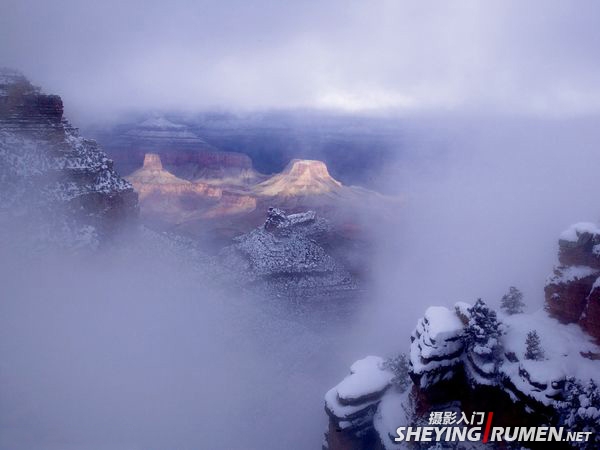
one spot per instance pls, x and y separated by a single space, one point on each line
286 256
47 169
153 179
216 167
201 193
24 106
164 196
573 291
182 151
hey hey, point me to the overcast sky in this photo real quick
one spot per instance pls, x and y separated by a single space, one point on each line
539 57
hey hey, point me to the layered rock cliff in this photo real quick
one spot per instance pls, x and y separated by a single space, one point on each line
182 151
167 197
50 175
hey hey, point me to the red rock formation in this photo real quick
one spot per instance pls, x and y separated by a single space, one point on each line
153 179
566 295
590 319
573 292
175 199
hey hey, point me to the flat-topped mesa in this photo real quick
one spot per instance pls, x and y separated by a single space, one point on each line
153 178
300 177
307 168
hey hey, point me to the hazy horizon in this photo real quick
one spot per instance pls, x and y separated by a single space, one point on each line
536 58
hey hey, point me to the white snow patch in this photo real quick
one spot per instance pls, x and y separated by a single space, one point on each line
572 233
567 274
563 346
442 323
366 378
393 411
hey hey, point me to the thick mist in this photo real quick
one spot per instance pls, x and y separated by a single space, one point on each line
106 57
135 347
484 202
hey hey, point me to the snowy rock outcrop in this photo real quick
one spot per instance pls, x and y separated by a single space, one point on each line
352 404
459 362
53 180
436 346
573 290
287 257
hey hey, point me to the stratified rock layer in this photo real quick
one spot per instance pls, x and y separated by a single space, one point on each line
48 171
168 197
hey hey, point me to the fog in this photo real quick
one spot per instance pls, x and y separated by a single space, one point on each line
131 349
535 57
484 203
136 347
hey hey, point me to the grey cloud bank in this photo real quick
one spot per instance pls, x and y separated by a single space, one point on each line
510 57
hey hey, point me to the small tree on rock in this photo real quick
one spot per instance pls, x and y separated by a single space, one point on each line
534 347
482 337
398 365
512 301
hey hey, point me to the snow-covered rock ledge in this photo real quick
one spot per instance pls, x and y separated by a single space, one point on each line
452 368
536 369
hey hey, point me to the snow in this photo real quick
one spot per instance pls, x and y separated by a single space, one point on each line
344 411
462 308
304 217
437 336
572 233
567 274
393 411
288 260
563 346
44 166
442 323
366 378
437 346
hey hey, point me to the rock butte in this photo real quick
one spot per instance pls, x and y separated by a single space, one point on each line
300 177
